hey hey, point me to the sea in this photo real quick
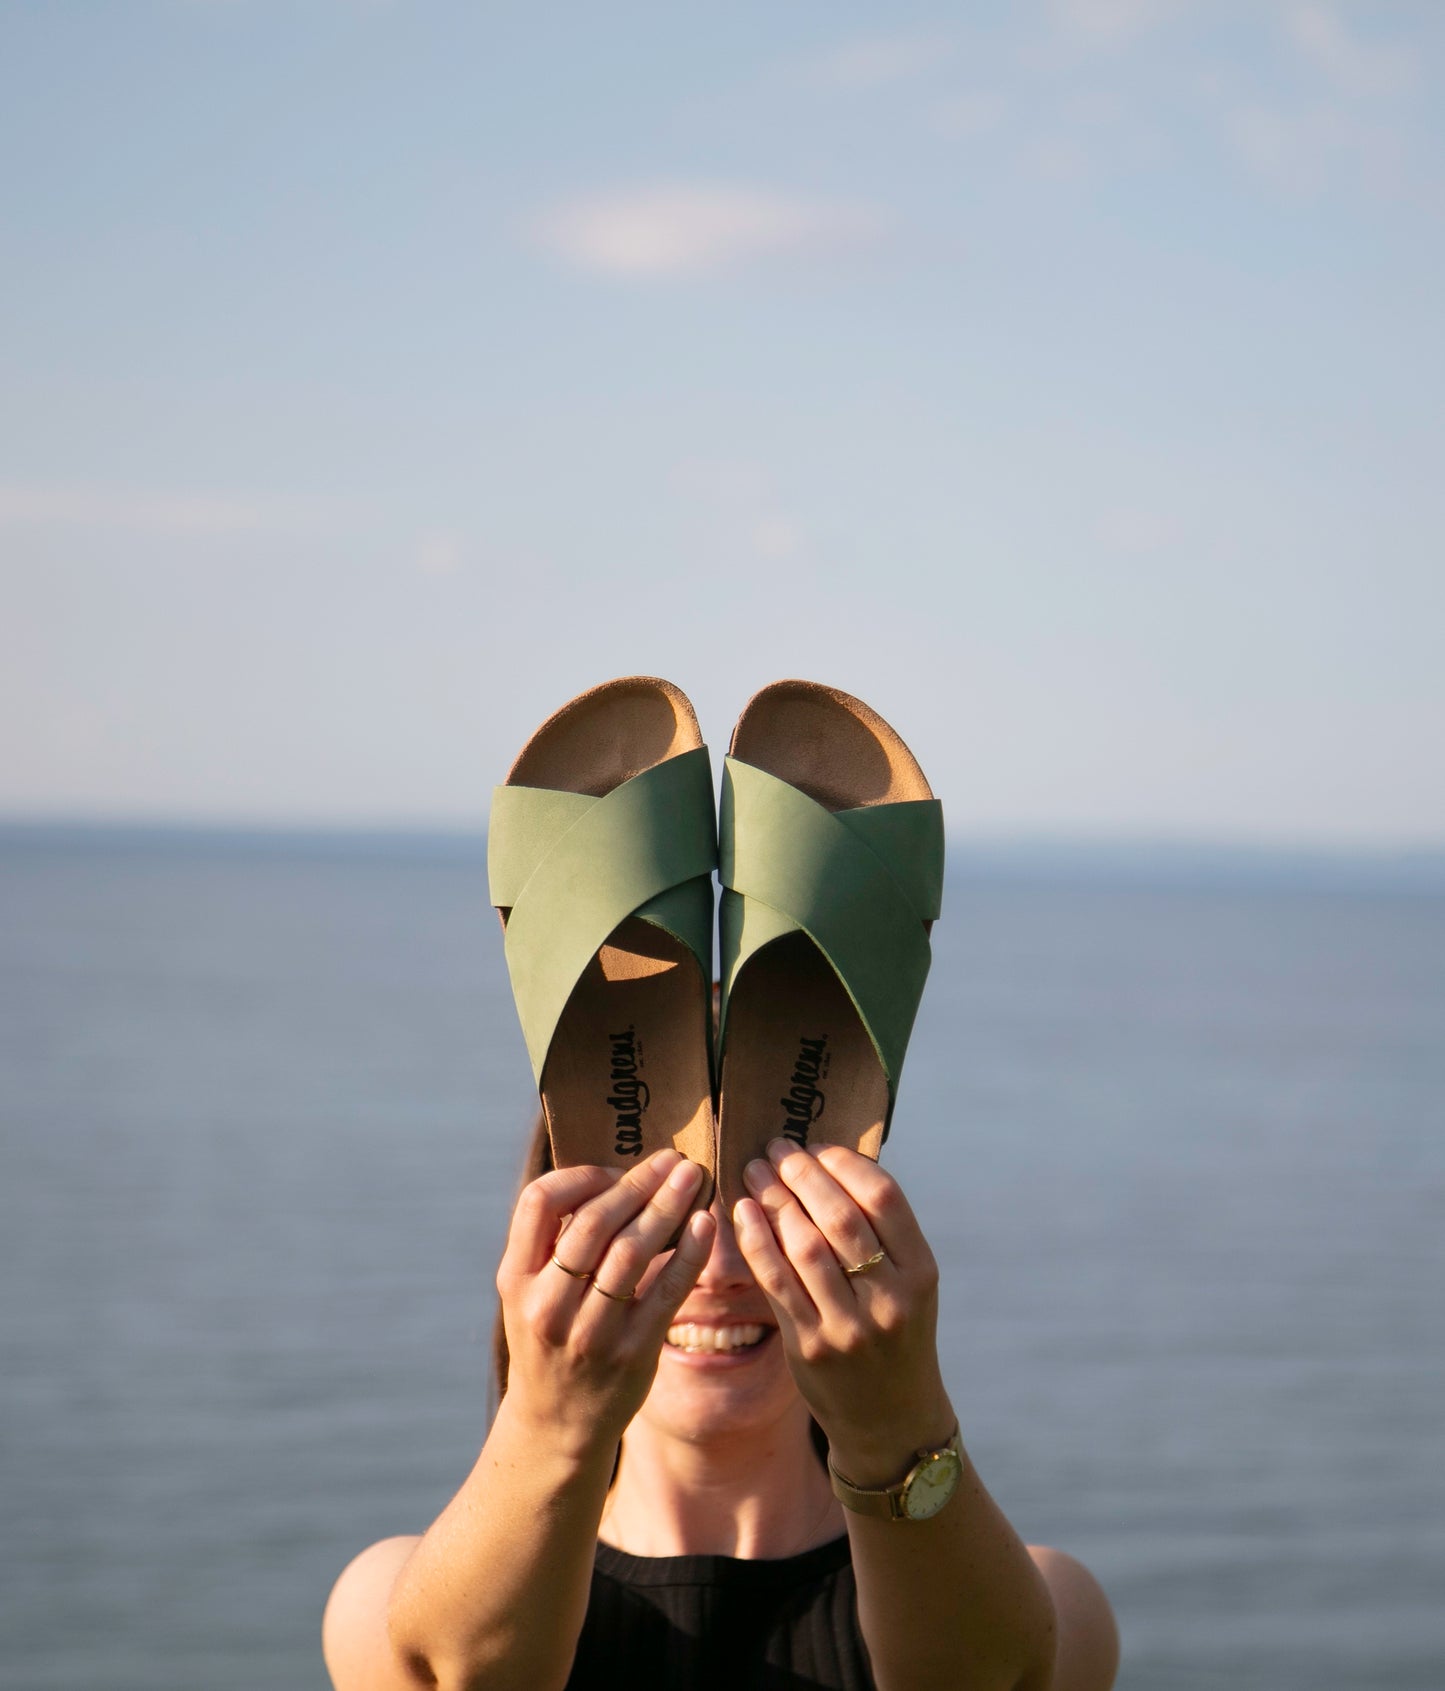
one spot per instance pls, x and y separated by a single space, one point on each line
1174 1127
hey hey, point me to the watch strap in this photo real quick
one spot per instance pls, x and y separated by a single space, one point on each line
887 1503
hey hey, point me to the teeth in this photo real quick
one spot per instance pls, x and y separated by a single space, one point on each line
687 1335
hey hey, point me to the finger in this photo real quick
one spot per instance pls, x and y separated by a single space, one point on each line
780 1285
540 1209
809 1254
664 1297
828 1204
881 1199
625 1260
592 1227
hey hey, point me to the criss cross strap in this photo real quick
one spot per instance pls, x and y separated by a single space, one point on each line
569 868
860 883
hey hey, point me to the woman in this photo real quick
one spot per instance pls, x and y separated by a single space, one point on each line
650 1507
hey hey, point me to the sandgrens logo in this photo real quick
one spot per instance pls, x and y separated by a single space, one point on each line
805 1101
627 1094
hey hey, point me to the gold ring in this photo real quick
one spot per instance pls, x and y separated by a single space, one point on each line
576 1273
617 1297
864 1267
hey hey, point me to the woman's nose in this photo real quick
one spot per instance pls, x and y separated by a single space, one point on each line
726 1266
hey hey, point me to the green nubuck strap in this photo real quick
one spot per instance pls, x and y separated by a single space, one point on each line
570 867
860 883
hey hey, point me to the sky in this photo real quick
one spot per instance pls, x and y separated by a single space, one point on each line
1064 378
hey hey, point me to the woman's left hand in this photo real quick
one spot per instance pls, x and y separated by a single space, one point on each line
862 1347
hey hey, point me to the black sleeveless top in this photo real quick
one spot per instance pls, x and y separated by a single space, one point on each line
716 1623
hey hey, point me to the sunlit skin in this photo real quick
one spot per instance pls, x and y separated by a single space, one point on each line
702 1456
715 1449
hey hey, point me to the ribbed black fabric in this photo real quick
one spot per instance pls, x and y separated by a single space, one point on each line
714 1623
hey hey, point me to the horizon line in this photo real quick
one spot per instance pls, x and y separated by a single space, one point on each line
1137 858
1007 836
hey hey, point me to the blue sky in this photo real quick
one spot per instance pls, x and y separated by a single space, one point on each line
1064 378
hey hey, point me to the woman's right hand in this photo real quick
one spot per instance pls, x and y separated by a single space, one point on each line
581 1362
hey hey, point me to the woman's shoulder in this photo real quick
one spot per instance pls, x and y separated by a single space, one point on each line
1087 1633
354 1639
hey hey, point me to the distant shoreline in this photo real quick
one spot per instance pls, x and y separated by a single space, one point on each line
1119 863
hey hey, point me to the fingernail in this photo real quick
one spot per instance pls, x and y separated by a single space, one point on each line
779 1148
666 1158
684 1177
757 1173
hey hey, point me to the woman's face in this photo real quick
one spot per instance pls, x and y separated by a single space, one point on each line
722 1370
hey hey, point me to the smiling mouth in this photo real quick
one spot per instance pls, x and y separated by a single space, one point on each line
740 1336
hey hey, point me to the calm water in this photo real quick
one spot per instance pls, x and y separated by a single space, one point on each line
1182 1155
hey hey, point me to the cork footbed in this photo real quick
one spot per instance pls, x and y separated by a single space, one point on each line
627 1073
798 1062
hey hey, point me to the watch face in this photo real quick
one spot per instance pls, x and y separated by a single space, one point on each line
931 1485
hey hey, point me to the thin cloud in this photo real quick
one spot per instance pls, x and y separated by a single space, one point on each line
1136 531
776 540
138 511
438 552
875 61
1113 20
1057 158
723 481
743 506
966 115
1357 66
1304 153
668 231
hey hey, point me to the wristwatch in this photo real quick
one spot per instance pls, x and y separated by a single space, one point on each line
921 1493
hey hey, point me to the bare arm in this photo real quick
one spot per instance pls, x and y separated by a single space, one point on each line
513 1545
493 1596
956 1600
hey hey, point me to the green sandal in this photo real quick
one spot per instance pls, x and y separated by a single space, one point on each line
600 855
831 859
